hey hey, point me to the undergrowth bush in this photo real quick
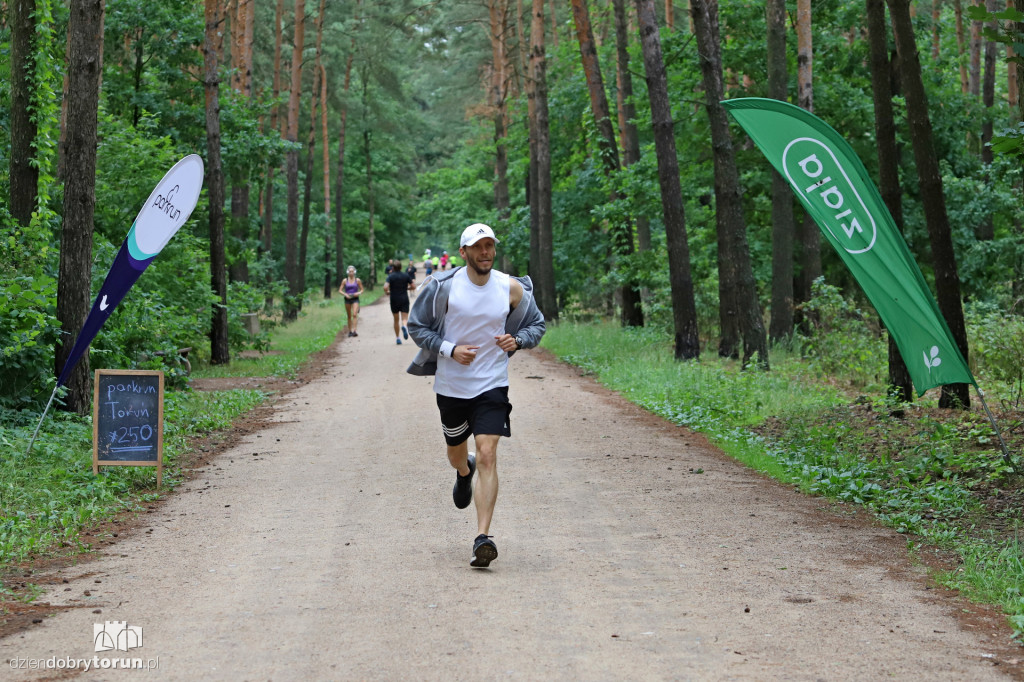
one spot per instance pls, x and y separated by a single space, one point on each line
842 340
996 342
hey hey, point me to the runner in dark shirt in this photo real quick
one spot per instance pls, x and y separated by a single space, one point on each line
398 286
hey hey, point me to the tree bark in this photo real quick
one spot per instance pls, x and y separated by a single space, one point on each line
1013 71
545 268
783 225
321 93
684 309
531 117
307 189
339 235
739 309
498 12
985 230
291 258
608 151
888 161
961 46
554 27
241 82
627 111
947 279
24 177
810 237
74 278
369 181
974 70
267 241
219 351
1019 102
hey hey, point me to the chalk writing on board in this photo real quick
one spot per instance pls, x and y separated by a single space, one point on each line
128 416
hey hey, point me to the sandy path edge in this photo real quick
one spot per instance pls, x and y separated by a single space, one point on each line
325 546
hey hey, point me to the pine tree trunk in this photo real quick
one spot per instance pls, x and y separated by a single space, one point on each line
545 269
961 46
498 10
985 230
740 311
1012 80
810 237
974 70
307 193
339 235
241 82
554 28
947 279
1019 102
219 351
321 93
291 257
531 117
24 177
74 278
608 151
684 309
369 183
783 225
627 111
268 209
888 161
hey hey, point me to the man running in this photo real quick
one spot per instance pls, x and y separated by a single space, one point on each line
468 322
398 286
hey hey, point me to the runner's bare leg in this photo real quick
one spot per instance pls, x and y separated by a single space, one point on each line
458 456
486 480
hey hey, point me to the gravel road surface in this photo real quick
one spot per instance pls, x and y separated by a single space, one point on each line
325 546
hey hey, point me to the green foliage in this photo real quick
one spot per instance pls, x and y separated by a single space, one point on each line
997 348
842 340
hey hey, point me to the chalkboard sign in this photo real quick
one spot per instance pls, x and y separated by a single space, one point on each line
128 419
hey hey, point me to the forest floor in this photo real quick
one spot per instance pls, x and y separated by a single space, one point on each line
318 540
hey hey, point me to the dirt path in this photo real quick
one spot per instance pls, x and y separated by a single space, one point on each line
326 547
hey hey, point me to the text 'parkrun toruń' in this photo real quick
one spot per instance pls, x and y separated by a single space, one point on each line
813 169
123 407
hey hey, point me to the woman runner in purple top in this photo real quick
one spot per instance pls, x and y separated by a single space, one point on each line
351 288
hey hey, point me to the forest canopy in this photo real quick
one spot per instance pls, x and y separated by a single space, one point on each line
350 133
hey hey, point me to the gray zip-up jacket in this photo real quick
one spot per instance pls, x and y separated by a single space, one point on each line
426 320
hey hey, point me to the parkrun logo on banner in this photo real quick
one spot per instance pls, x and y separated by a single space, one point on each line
814 171
164 204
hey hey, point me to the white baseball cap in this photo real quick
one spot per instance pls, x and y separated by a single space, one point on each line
474 233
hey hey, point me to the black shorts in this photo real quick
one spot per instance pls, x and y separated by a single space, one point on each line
400 305
488 413
350 301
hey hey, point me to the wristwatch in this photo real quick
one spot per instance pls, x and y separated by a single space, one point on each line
519 343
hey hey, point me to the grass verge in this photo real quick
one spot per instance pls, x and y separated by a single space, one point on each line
50 498
934 475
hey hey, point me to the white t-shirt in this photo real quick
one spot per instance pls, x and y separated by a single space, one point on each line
476 315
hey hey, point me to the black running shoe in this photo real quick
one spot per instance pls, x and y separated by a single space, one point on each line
484 551
463 491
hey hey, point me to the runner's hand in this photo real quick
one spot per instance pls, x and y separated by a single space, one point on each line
506 342
464 355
